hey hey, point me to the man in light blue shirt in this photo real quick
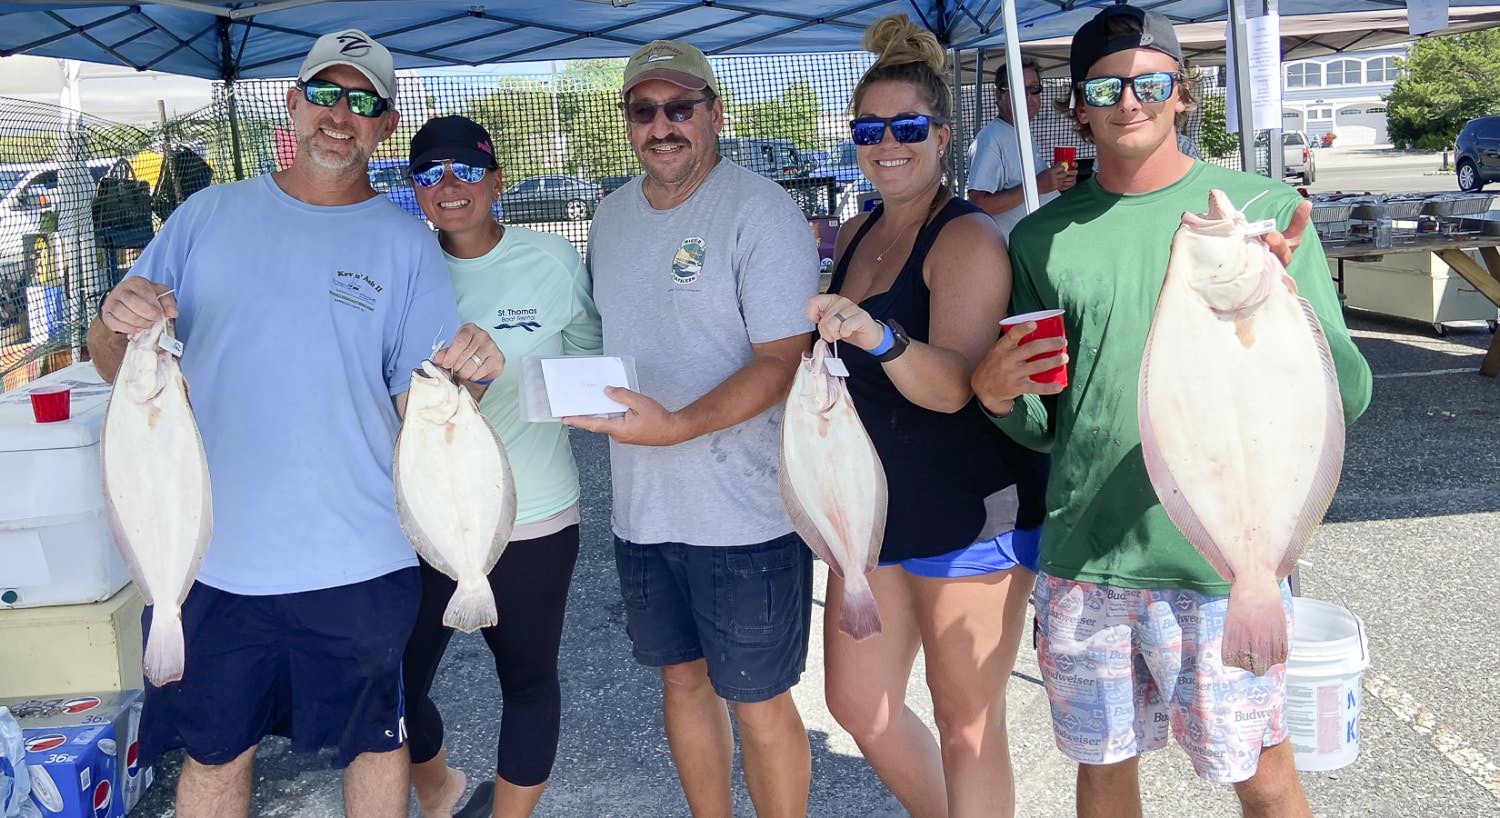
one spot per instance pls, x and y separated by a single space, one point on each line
303 300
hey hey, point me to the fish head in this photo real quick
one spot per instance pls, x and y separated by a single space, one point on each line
146 367
433 395
1230 269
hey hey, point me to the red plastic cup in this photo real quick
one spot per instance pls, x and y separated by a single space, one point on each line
50 404
1067 157
1049 324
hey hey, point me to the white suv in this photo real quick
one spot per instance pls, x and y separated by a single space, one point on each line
26 192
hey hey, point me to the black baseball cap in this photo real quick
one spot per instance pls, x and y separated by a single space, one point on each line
452 137
1142 29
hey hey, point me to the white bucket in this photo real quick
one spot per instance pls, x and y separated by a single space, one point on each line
1324 684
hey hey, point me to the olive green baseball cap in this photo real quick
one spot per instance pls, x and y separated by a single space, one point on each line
672 60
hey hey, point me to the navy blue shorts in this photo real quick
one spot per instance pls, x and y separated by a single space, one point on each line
747 609
322 668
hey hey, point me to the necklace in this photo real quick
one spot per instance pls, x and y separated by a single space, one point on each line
880 258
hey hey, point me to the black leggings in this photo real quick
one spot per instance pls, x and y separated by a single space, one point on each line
531 591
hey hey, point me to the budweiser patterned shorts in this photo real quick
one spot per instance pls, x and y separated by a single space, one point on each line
1124 666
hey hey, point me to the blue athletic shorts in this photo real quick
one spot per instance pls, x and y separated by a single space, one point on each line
1007 550
746 609
322 668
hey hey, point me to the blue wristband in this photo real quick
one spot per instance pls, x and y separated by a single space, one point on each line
483 383
886 341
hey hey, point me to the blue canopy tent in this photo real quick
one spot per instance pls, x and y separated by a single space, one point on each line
224 40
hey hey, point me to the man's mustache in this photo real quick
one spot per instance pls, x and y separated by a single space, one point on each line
669 141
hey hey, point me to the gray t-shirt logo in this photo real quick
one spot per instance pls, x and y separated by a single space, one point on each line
688 262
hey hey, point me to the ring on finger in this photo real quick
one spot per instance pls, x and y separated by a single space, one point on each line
842 317
478 361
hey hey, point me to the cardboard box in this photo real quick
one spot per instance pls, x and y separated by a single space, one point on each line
72 771
72 649
121 711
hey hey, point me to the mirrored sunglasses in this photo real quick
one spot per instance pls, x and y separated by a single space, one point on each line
644 113
432 174
1150 89
361 102
907 128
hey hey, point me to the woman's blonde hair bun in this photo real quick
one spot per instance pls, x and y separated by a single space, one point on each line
896 40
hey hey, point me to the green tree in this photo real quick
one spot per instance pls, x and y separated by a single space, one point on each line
1446 82
1216 141
593 129
792 114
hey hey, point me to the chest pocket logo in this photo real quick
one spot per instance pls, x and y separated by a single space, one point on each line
687 264
355 291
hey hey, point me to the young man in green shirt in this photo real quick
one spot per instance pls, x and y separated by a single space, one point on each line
1130 616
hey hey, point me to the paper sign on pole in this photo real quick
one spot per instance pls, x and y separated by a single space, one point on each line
1263 37
1426 16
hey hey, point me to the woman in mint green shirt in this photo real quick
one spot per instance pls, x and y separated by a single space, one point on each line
533 294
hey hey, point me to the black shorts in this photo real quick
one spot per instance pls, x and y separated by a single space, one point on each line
322 668
746 609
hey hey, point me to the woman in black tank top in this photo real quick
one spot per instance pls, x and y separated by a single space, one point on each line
917 297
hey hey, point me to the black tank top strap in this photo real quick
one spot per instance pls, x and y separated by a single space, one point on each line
841 269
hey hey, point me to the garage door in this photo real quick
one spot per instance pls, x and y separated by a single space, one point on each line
1361 125
1291 120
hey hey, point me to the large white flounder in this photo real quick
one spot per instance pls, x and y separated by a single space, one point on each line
1241 424
833 485
157 491
455 494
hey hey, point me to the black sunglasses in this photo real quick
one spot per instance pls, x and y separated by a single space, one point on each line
1031 90
907 128
1150 89
678 110
326 94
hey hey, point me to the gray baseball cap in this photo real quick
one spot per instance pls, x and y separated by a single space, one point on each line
355 49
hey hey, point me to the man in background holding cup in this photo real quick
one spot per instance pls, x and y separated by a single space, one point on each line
1129 616
995 157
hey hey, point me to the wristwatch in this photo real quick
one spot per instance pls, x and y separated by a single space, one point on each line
899 342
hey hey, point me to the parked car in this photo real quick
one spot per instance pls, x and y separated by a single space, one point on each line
388 177
610 184
551 198
1298 161
843 165
1477 153
26 192
773 158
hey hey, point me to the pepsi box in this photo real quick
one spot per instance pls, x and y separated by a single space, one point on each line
121 710
73 770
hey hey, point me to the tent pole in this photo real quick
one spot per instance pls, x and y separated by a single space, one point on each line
979 121
1016 81
957 168
228 72
1242 85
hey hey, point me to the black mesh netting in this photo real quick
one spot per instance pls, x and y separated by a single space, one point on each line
82 196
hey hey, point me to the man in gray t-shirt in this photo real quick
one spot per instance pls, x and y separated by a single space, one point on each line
701 272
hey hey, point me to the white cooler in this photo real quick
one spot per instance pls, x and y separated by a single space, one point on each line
55 546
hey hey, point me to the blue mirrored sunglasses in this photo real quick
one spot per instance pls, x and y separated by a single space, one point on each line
433 173
907 128
1150 89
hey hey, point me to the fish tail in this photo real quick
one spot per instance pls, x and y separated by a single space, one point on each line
166 651
471 608
859 618
1255 637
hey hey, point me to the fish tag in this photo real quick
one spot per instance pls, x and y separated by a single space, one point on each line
170 344
1261 227
835 367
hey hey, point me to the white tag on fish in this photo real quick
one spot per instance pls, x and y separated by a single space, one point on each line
835 367
170 344
1260 228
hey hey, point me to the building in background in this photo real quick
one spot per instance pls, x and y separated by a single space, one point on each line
1343 94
